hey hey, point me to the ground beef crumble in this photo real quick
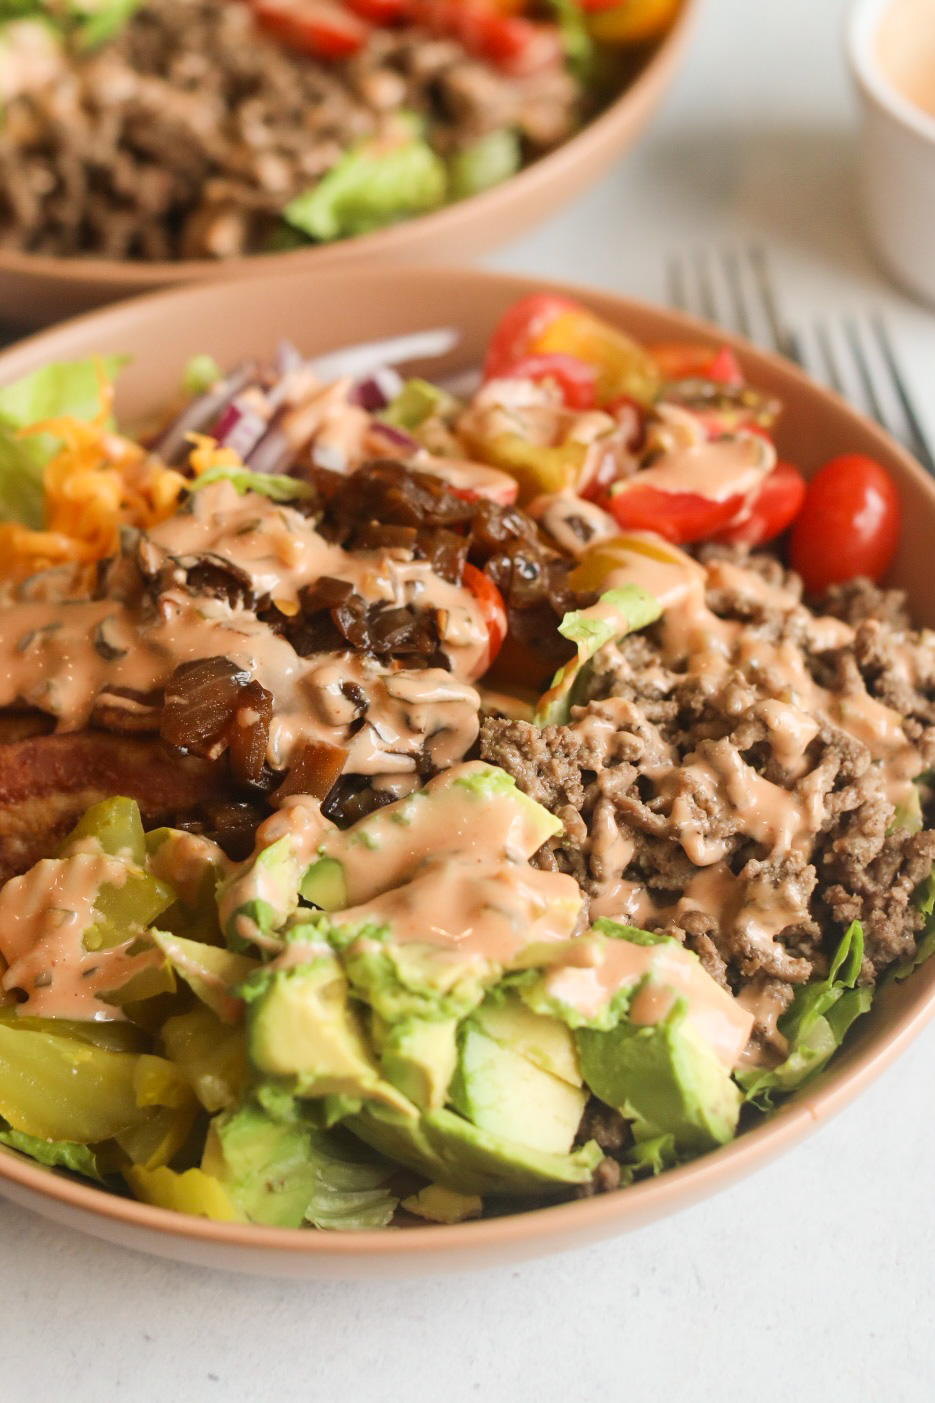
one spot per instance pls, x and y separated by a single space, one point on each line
633 753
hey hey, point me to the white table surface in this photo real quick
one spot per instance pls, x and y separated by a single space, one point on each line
814 1281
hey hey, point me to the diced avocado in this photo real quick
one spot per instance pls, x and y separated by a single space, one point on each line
664 1078
419 1057
403 981
545 1041
458 1155
438 819
503 1093
440 1205
492 159
616 613
258 899
417 401
301 1026
324 885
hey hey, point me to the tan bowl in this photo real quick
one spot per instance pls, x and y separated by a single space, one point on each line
37 289
241 319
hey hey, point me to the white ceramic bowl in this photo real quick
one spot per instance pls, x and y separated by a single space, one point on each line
897 137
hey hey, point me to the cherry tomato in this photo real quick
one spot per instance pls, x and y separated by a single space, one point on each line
516 45
692 360
493 611
849 524
677 516
575 378
519 327
776 506
380 11
321 28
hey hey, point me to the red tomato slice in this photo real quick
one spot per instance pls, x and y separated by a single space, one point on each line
493 611
679 517
519 327
320 28
511 43
776 506
575 378
849 524
692 360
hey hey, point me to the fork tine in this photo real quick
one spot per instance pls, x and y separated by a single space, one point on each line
675 283
731 266
706 287
918 441
863 371
829 359
784 340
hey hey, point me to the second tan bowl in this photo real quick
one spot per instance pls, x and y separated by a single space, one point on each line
245 319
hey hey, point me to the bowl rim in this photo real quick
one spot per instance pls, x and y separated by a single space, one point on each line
861 28
486 205
546 1228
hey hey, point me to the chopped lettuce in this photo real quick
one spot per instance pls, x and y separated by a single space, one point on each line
925 945
489 161
814 1024
580 49
374 184
63 389
280 489
56 1154
616 613
285 1172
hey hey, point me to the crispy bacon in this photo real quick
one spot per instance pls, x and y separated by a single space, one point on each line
47 782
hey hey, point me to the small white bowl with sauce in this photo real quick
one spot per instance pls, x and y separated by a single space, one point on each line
891 48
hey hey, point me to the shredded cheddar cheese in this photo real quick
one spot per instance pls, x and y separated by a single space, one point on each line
97 482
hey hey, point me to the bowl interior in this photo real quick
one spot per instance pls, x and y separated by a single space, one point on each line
237 320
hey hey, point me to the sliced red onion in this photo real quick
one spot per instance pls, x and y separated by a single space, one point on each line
396 438
273 454
377 390
288 357
240 427
172 444
366 359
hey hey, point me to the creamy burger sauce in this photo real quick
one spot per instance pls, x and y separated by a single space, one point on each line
60 661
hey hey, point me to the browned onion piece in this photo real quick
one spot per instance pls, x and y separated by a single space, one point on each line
211 704
314 771
249 733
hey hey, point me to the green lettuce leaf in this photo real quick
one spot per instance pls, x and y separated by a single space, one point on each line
925 946
487 162
56 1154
65 388
280 489
372 185
814 1024
616 613
284 1171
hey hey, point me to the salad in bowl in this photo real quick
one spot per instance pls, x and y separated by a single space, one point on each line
423 799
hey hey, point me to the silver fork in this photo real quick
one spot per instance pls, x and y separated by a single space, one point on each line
735 288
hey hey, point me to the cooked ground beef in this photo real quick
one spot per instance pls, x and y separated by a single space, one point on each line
646 776
187 135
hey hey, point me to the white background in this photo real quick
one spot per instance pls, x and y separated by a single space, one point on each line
815 1280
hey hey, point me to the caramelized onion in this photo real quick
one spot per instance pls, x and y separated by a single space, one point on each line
315 771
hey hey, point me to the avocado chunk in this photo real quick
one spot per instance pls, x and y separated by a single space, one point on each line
440 1205
458 1155
664 1078
419 1056
502 1092
324 885
387 847
300 1025
259 898
545 1041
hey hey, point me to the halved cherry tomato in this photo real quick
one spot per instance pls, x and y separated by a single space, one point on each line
493 611
849 524
321 28
518 328
677 516
575 378
776 506
693 360
516 45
